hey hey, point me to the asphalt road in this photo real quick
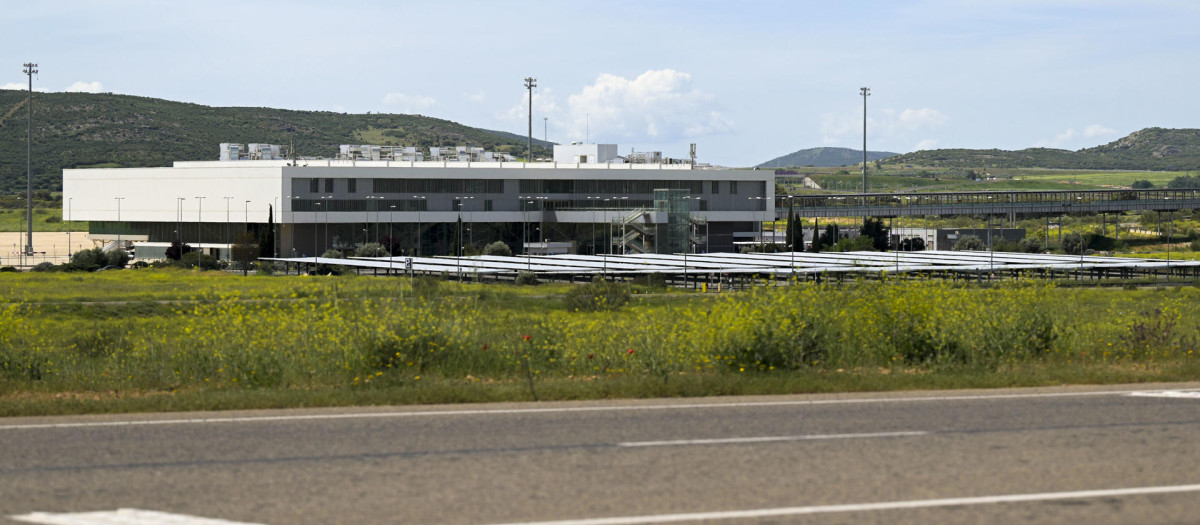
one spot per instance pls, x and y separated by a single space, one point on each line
999 456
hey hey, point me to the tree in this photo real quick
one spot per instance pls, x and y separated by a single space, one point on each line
244 251
266 237
1142 184
873 229
331 269
968 243
176 251
498 248
829 238
1184 182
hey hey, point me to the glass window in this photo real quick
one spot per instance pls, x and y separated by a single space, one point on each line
314 185
351 185
733 187
328 185
716 187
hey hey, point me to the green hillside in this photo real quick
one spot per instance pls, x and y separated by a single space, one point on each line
824 158
82 129
1156 149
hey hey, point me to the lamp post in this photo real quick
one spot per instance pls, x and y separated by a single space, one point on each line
118 199
179 223
199 227
462 205
247 216
69 199
226 218
420 200
391 219
274 232
590 200
758 223
326 203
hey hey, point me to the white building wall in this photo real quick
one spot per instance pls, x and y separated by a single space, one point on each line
150 194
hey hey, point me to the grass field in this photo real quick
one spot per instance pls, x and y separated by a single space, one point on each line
179 340
13 220
906 179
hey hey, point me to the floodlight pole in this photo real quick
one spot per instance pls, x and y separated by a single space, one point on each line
530 83
30 70
69 199
866 92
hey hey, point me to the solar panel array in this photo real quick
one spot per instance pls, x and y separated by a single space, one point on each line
780 264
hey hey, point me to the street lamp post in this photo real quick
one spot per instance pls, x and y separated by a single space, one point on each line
199 227
419 201
69 199
391 219
226 235
118 199
247 216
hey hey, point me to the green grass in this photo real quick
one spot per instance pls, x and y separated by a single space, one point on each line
13 220
179 340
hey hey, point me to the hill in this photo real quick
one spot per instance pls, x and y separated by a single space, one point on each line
824 158
74 130
1155 149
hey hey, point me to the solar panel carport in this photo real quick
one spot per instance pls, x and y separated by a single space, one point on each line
781 265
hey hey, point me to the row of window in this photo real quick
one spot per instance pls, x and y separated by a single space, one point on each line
484 186
390 205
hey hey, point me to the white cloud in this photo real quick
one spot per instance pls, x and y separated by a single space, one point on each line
1071 137
408 103
22 87
926 144
1096 130
658 106
85 87
474 97
884 125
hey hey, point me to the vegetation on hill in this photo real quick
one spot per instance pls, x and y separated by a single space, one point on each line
73 130
1155 149
824 157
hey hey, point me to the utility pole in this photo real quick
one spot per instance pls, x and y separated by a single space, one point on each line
866 92
30 70
530 83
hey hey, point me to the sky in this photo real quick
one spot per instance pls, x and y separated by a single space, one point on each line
746 81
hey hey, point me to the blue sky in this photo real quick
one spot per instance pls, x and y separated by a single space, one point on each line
747 81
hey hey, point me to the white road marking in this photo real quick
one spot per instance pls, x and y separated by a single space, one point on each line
766 439
1177 394
863 507
552 410
121 517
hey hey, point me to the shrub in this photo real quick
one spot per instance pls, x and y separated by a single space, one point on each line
331 269
426 286
498 248
1072 243
598 295
203 261
372 249
527 278
118 258
266 268
88 260
968 243
1195 246
1031 245
53 219
8 269
43 267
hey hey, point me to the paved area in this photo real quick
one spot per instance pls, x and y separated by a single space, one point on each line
48 246
1060 455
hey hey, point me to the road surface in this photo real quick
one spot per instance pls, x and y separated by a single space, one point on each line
1124 454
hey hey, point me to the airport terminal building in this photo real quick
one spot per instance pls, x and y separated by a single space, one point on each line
586 201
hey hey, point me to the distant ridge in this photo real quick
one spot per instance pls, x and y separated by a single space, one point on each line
72 130
824 158
1156 149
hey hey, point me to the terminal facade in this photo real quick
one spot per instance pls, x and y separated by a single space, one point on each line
421 207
